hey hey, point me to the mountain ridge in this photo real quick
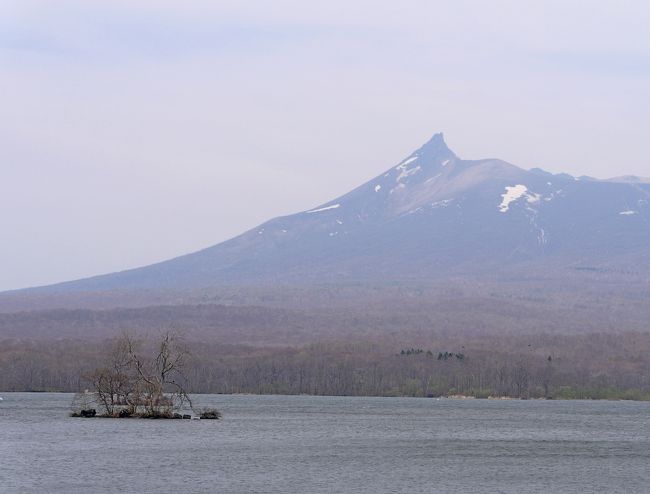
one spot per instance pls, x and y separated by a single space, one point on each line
430 216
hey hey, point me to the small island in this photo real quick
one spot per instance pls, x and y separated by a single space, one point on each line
141 379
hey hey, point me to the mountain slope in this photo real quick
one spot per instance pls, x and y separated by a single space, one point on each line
433 215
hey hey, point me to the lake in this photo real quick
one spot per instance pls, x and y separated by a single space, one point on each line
306 444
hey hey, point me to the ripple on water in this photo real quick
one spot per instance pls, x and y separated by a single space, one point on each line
302 444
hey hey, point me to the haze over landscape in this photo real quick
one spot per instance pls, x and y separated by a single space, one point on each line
358 246
277 177
209 168
165 124
432 216
511 268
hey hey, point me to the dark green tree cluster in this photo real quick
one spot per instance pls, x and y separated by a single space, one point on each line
413 351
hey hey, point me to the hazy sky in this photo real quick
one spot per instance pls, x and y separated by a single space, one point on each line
134 131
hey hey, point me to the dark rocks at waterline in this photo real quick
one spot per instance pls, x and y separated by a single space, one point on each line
210 414
91 412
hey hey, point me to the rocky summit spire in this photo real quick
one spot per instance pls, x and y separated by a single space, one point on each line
435 148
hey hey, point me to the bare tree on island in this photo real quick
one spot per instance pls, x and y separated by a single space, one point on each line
113 384
159 390
140 383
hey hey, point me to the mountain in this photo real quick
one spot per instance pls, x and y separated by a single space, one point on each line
432 216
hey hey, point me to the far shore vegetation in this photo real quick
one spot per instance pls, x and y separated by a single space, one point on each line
518 340
145 377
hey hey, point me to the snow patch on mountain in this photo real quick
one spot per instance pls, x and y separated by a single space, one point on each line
408 172
432 179
405 163
627 213
442 204
512 194
377 188
533 198
414 210
327 208
515 193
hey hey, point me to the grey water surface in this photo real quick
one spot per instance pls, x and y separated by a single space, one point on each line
306 444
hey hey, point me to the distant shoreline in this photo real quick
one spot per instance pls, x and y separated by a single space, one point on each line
454 397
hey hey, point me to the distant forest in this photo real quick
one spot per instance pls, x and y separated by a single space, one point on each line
396 342
544 366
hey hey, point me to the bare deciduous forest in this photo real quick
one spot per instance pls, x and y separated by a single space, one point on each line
587 366
475 345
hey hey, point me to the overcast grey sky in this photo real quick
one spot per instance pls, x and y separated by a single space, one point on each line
135 131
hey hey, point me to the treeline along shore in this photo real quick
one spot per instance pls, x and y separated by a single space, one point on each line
519 340
590 366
